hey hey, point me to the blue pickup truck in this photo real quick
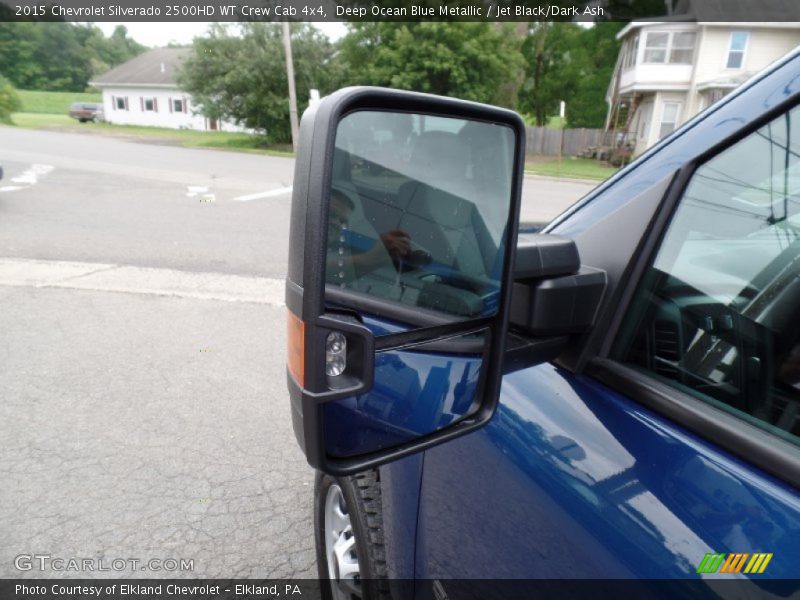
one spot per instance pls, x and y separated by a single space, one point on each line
614 397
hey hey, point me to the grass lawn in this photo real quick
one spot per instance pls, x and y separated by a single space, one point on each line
55 103
221 140
569 167
41 120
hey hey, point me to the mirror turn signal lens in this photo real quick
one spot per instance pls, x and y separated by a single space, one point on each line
296 348
335 354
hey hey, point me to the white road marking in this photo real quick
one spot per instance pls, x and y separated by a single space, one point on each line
193 191
11 188
31 175
267 194
105 277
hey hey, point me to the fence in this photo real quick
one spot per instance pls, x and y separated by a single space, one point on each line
542 140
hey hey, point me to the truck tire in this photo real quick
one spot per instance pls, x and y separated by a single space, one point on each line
348 522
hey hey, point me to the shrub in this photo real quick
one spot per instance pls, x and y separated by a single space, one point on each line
9 100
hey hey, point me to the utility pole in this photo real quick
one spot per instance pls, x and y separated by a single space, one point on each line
287 45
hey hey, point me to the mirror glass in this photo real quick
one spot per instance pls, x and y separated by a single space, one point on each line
419 209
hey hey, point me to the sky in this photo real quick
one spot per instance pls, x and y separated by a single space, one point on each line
161 34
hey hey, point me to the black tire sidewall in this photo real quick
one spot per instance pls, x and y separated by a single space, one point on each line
366 558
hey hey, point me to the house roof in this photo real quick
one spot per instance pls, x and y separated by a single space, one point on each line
156 67
778 11
770 14
725 81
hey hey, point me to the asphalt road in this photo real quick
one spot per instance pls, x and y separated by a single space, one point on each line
144 412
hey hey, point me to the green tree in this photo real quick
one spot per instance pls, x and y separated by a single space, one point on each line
571 63
107 52
588 107
60 56
9 101
539 95
244 78
44 56
474 61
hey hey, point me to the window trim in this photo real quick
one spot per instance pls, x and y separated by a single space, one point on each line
743 50
750 443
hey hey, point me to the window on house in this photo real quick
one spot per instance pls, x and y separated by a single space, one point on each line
646 112
149 104
631 48
682 49
655 47
177 105
669 47
736 49
120 104
669 118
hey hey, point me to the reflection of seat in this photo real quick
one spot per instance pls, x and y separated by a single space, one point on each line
438 206
440 157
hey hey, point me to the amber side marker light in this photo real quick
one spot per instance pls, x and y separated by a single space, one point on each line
295 348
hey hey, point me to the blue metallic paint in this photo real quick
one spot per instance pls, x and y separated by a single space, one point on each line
582 482
414 394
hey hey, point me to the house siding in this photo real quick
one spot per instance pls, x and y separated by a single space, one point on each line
764 47
163 116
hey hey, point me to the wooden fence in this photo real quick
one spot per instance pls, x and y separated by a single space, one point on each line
543 140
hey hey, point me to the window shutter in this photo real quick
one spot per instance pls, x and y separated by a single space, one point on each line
155 104
113 103
126 103
185 105
141 103
170 103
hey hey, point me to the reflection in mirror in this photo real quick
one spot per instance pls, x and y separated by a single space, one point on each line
416 392
418 210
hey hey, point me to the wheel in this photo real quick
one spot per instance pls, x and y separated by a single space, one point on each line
348 524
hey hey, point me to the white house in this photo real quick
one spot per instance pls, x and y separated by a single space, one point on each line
144 91
669 71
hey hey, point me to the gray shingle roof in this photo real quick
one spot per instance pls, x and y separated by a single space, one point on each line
742 10
155 67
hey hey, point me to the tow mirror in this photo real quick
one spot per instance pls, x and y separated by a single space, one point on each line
404 209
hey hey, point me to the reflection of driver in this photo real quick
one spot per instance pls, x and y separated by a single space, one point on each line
345 261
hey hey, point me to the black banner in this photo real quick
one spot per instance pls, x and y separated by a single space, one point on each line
444 589
397 10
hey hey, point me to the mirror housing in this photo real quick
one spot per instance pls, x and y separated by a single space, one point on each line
554 299
553 294
317 310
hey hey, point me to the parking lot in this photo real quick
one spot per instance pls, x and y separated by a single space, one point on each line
142 370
